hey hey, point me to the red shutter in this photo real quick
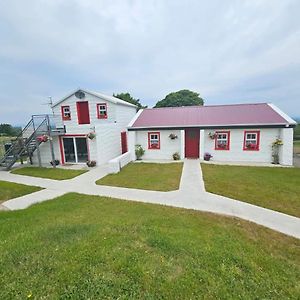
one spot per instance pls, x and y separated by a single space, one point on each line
83 112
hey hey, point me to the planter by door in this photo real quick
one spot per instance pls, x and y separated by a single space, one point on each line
192 138
83 112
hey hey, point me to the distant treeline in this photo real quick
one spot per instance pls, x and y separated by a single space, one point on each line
9 130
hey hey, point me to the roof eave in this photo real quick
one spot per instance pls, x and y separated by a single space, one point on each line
237 126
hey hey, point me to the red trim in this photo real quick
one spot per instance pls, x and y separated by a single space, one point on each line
70 135
98 112
61 151
63 115
228 140
256 148
149 145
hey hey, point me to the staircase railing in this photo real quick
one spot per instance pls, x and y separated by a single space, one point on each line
20 145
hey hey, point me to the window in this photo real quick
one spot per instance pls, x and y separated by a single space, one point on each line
251 140
102 111
66 113
222 140
153 140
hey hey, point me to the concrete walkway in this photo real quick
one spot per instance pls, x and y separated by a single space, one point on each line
191 195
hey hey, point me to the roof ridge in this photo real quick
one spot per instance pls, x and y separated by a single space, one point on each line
212 105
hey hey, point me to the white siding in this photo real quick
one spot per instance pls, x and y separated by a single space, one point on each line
167 146
108 142
236 152
46 153
286 151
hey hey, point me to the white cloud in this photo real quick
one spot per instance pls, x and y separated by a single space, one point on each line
149 48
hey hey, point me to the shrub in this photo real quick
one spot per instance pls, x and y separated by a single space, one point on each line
54 162
176 156
91 163
139 151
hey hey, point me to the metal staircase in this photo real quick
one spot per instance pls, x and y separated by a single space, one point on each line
29 140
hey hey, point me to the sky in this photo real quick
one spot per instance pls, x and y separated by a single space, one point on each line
228 51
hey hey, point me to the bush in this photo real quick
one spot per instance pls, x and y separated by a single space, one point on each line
55 162
176 156
91 163
139 151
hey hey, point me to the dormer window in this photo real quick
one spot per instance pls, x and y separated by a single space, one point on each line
66 113
102 111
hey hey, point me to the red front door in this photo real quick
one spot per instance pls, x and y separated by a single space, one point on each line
192 137
83 112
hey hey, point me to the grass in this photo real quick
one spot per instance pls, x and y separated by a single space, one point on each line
89 247
297 147
146 176
51 173
9 190
274 188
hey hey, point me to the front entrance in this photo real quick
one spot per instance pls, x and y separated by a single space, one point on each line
192 138
75 149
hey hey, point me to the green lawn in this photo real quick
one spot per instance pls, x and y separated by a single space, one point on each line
146 176
51 173
274 188
88 247
297 147
9 190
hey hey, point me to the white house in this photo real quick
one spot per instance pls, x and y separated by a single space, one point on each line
239 133
94 128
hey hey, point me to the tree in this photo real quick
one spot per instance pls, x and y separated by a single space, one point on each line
8 130
128 98
180 98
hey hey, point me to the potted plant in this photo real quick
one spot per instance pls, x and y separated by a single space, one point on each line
275 150
139 151
91 163
212 135
91 135
222 146
207 156
54 162
176 156
173 136
43 138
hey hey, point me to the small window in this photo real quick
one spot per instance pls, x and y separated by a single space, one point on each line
153 140
102 111
222 140
251 140
66 113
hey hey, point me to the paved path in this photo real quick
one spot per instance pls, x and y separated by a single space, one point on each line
191 195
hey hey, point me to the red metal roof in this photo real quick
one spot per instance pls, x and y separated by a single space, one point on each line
212 115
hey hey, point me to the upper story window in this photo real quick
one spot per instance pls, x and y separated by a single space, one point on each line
222 140
153 140
102 111
66 113
251 140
